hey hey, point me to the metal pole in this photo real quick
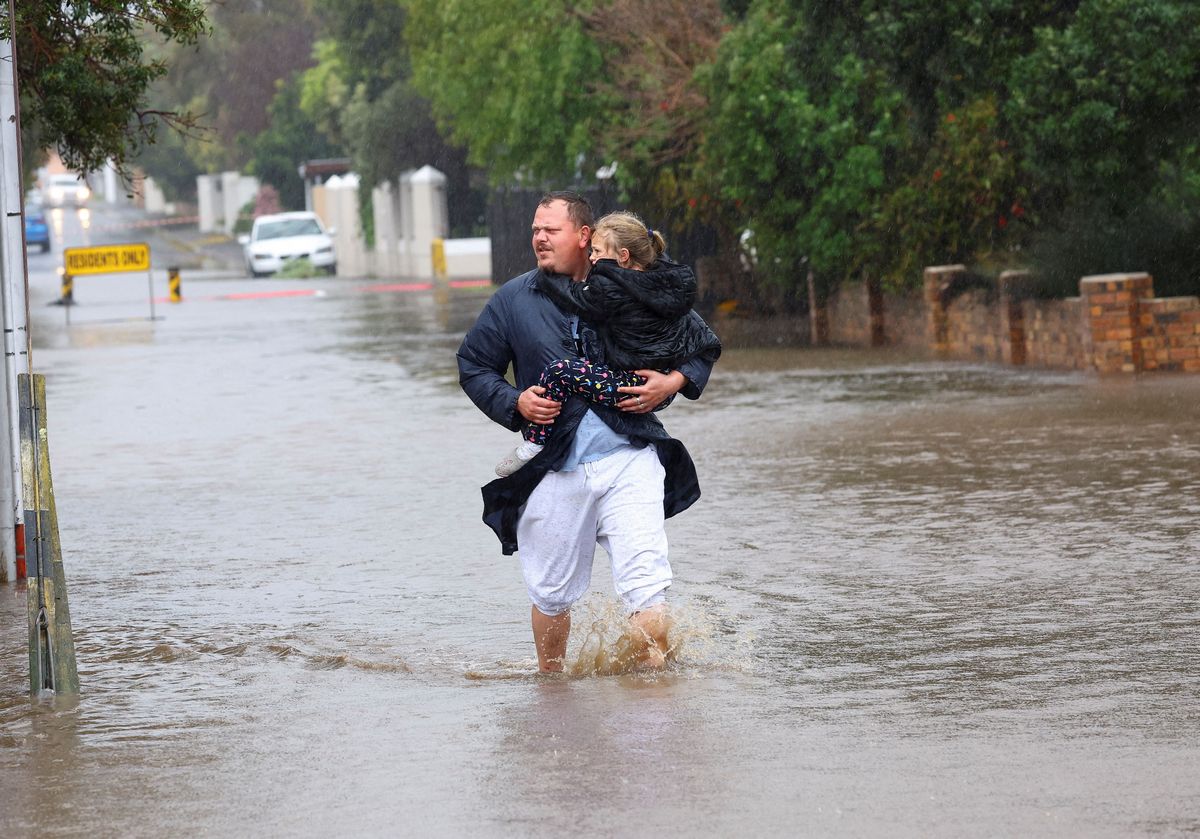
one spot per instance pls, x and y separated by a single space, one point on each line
51 646
150 280
13 290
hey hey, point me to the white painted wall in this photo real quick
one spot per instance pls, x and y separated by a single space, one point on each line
153 199
409 215
209 205
469 259
341 208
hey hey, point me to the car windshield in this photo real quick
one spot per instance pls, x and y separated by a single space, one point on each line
289 227
64 180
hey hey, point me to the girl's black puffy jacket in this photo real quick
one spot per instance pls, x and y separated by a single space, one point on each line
644 318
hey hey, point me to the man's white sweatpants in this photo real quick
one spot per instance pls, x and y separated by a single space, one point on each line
615 502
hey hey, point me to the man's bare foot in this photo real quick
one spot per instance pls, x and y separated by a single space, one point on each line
652 625
652 658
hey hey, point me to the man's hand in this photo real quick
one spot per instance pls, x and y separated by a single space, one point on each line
645 398
536 409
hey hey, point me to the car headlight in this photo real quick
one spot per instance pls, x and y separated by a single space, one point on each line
56 194
84 193
326 249
260 256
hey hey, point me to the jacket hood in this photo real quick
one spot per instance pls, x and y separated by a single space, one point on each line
666 288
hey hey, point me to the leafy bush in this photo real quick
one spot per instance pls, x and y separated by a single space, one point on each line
799 143
965 202
245 218
1090 239
298 269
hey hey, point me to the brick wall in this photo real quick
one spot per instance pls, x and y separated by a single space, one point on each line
1054 333
905 321
850 315
1116 325
973 327
900 320
1171 334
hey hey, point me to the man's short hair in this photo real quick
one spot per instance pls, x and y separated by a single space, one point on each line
579 210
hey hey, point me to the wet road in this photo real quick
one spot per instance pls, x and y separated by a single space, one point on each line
916 599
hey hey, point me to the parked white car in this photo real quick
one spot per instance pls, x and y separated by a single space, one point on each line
277 239
66 188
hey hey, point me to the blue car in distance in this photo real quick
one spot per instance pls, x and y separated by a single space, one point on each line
37 232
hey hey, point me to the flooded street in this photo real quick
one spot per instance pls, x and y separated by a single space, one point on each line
918 599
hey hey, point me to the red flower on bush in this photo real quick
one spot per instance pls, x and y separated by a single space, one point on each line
1017 210
937 175
951 118
1002 222
691 202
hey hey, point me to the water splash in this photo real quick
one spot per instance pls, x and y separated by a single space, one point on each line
605 644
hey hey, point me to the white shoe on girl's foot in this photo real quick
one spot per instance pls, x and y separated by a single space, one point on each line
517 458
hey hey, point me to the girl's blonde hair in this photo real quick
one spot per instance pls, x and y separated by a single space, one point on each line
625 230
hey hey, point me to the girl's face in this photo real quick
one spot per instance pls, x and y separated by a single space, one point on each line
603 249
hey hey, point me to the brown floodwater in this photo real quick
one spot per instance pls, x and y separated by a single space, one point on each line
916 598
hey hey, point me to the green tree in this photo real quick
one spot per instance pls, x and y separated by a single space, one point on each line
229 80
965 201
384 121
800 143
291 137
84 74
1100 105
1104 109
509 81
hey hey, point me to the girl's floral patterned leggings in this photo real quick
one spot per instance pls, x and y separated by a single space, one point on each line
579 377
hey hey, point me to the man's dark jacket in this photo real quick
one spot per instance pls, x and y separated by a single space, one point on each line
522 327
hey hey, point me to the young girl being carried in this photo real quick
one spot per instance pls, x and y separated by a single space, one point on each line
640 303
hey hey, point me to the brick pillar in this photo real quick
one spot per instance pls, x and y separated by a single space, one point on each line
1012 285
875 310
1113 303
818 313
937 280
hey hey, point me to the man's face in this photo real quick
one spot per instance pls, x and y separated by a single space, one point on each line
560 246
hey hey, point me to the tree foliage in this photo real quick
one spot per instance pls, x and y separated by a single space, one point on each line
84 73
801 141
993 130
650 111
383 122
1103 103
228 80
291 138
866 137
509 81
964 201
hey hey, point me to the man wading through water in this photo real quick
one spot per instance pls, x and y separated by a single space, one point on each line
607 476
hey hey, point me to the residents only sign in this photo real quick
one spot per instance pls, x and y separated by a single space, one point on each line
106 259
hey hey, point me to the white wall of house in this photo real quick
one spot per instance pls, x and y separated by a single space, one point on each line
220 197
409 214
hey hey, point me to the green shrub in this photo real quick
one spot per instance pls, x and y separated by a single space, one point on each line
245 218
1149 236
297 269
964 203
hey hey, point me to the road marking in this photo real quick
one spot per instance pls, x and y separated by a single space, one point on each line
262 295
396 287
318 292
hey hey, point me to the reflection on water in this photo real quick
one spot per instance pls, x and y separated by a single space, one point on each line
951 598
